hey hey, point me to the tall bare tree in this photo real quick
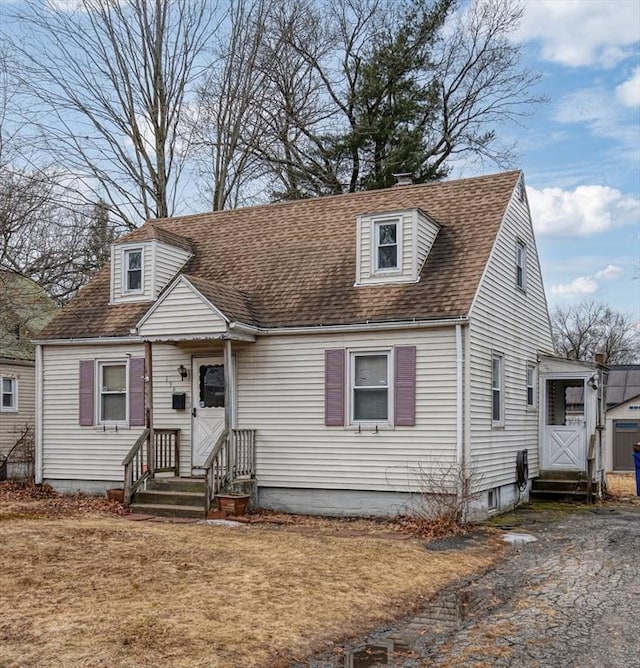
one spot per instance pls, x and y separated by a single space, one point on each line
358 89
113 80
582 330
231 103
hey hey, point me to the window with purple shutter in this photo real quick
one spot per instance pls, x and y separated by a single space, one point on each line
405 386
86 400
136 392
334 383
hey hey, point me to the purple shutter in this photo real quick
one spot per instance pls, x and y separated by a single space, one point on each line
136 392
86 385
405 386
334 361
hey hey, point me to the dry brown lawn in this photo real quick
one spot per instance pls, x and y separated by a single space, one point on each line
84 589
621 485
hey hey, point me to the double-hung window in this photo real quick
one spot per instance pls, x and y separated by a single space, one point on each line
112 379
521 265
497 389
531 386
9 392
133 270
370 387
386 233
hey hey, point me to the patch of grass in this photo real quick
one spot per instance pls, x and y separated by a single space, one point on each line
100 591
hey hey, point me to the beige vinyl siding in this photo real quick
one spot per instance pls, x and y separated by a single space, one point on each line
506 320
182 312
168 260
12 423
427 233
166 381
71 452
281 394
629 412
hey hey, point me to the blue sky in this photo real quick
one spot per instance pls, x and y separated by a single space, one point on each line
581 152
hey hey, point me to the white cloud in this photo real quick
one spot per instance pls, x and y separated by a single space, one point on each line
582 212
579 32
609 273
587 285
583 285
628 93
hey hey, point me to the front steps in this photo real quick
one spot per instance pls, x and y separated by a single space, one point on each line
563 485
171 497
182 497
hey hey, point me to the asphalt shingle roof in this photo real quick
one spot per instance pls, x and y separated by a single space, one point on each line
293 263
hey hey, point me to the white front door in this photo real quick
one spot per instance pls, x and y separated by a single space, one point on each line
564 441
208 410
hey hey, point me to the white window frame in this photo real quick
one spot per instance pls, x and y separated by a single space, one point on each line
497 385
521 265
531 384
377 224
14 394
125 270
100 364
353 354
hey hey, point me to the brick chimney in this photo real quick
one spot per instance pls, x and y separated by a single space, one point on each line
403 179
599 358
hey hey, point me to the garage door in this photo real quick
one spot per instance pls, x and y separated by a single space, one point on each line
626 433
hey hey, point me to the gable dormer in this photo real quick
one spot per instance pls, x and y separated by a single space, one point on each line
143 263
392 246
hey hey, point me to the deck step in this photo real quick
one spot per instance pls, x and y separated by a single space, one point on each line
170 498
558 488
176 484
167 510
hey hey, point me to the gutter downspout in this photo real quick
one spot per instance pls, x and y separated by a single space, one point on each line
39 418
461 473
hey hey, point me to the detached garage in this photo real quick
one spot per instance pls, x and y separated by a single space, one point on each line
623 416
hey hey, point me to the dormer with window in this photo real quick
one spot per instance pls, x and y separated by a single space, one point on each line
392 247
144 262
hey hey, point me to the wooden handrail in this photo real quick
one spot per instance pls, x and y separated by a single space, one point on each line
136 469
212 482
136 446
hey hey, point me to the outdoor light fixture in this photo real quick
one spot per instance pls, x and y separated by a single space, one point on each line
183 372
592 382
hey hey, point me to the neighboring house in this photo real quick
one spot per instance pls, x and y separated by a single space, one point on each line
25 309
362 345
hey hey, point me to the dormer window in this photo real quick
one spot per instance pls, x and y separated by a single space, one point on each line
386 245
133 270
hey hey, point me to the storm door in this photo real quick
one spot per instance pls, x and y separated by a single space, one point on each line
208 408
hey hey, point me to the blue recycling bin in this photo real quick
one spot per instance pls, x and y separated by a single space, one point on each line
636 459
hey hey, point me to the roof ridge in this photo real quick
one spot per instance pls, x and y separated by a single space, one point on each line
327 198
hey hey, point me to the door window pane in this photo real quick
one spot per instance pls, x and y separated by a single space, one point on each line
212 386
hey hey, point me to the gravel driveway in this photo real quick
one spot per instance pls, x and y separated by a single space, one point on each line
571 598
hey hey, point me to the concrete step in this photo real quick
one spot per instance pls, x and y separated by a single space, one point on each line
176 484
170 510
170 498
569 486
561 475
